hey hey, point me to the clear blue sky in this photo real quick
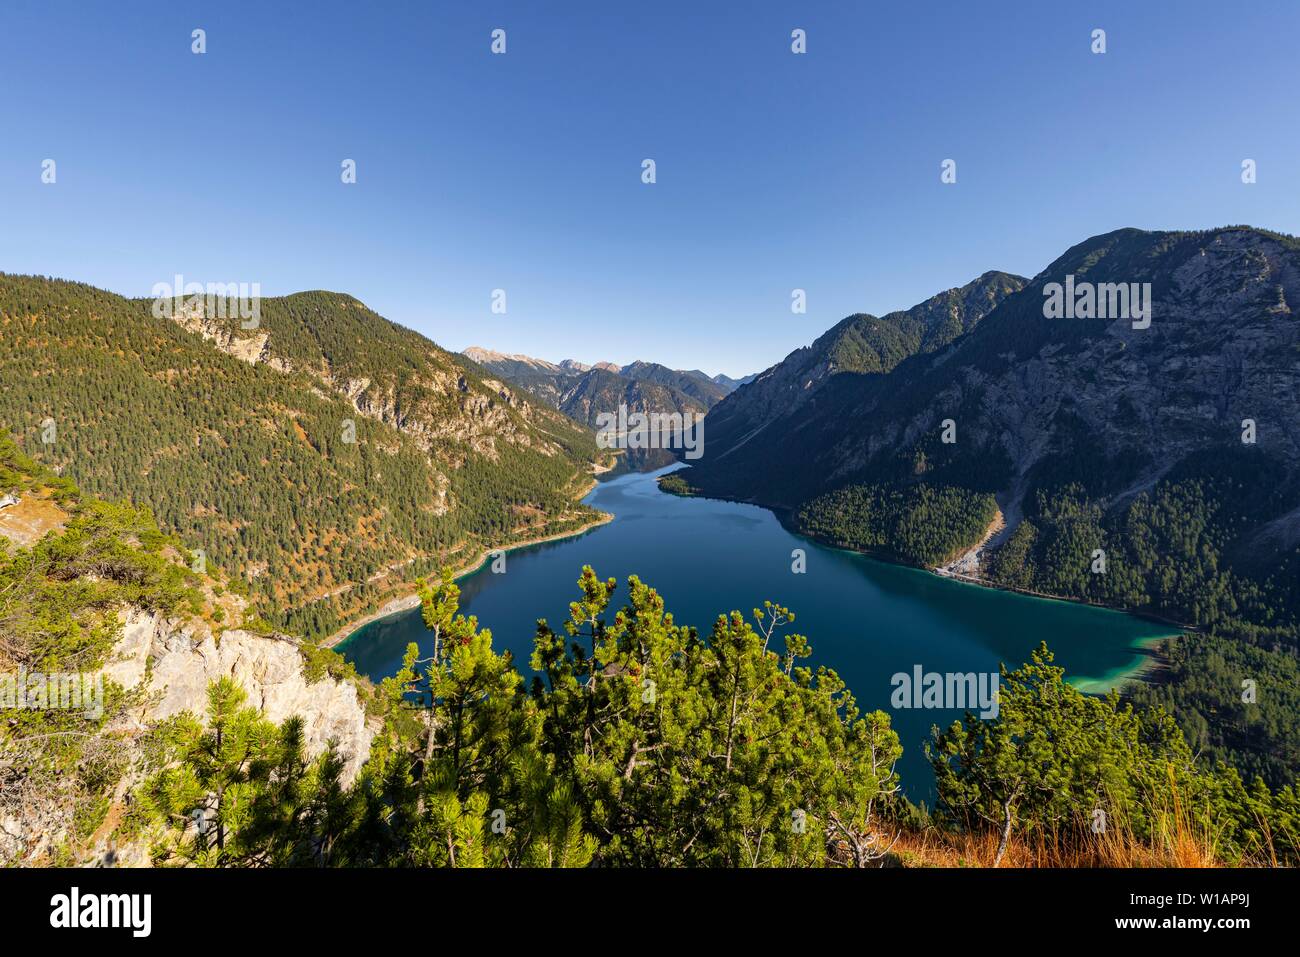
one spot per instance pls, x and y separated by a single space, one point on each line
522 171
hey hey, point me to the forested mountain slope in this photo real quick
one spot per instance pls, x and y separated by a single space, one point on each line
1155 469
692 382
769 407
289 760
118 640
308 458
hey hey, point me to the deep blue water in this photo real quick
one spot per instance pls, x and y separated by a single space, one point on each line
866 619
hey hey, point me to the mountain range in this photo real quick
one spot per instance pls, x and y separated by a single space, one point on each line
583 391
1026 392
303 469
861 347
327 457
321 459
1147 464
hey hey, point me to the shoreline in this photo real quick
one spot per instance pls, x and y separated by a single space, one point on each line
785 517
1030 593
1147 659
408 598
1150 662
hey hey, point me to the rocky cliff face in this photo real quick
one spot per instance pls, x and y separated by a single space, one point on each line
433 399
248 347
94 590
860 345
1027 393
1222 347
174 665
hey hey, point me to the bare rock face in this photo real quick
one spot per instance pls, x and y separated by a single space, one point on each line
433 401
176 666
859 345
1221 349
251 348
1025 388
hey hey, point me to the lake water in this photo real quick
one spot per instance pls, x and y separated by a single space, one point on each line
866 619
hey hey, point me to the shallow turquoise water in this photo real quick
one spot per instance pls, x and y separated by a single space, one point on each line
866 619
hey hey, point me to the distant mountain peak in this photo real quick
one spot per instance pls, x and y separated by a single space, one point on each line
858 345
487 356
1036 397
583 391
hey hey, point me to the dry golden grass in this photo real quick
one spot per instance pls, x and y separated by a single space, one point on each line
31 519
934 848
1177 840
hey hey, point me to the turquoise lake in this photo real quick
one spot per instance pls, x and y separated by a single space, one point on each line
865 618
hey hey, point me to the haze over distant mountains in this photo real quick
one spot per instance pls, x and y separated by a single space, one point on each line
584 391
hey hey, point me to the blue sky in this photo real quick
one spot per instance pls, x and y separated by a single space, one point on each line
523 171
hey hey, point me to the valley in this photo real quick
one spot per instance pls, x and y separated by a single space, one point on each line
316 477
629 440
1125 453
866 618
584 392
